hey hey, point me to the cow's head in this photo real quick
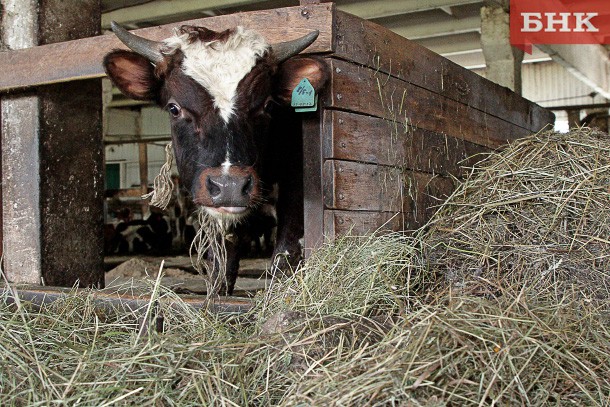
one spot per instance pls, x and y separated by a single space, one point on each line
220 89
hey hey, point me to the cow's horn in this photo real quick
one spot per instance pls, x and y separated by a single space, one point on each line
147 48
285 50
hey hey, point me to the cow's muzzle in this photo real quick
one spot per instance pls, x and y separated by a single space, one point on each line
227 191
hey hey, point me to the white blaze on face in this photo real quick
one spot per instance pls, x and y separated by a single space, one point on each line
226 165
220 66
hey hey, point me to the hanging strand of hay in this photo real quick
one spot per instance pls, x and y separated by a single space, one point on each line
210 240
163 186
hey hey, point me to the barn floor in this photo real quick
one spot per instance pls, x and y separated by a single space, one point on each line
179 274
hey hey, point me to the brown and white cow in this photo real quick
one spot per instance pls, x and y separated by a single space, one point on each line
233 132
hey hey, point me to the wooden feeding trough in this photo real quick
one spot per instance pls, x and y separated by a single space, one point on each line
393 128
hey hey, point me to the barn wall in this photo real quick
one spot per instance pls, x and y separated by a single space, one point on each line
126 155
131 125
550 85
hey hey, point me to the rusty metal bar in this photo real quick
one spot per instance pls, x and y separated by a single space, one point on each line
123 302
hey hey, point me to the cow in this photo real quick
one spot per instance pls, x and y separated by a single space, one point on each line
234 134
152 234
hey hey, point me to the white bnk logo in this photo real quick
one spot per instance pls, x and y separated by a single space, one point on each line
533 22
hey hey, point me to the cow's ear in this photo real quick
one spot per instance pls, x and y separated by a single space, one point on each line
133 74
292 71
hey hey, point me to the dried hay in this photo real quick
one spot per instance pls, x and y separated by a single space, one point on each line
455 350
537 214
358 325
208 251
163 186
209 240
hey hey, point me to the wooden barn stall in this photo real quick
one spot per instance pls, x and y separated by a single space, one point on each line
393 128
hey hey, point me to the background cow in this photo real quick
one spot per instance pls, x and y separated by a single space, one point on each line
150 235
233 133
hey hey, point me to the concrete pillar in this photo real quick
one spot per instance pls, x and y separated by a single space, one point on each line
20 160
503 61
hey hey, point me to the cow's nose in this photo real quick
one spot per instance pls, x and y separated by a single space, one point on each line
230 190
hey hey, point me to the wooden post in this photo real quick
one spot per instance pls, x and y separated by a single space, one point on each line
1 225
312 183
53 161
573 118
143 158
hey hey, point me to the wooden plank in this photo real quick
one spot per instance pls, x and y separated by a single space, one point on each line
82 59
364 90
71 158
374 46
430 193
312 184
134 193
143 167
72 183
340 223
1 204
356 186
355 137
364 187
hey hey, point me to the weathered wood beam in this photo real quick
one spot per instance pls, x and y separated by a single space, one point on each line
143 167
128 139
71 158
82 59
589 63
366 43
1 202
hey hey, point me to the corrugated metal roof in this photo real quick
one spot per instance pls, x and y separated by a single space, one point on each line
549 84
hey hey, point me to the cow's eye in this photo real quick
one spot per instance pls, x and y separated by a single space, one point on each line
173 109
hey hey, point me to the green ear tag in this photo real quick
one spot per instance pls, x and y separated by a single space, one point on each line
304 98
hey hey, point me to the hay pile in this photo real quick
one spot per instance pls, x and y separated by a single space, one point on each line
359 325
537 214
